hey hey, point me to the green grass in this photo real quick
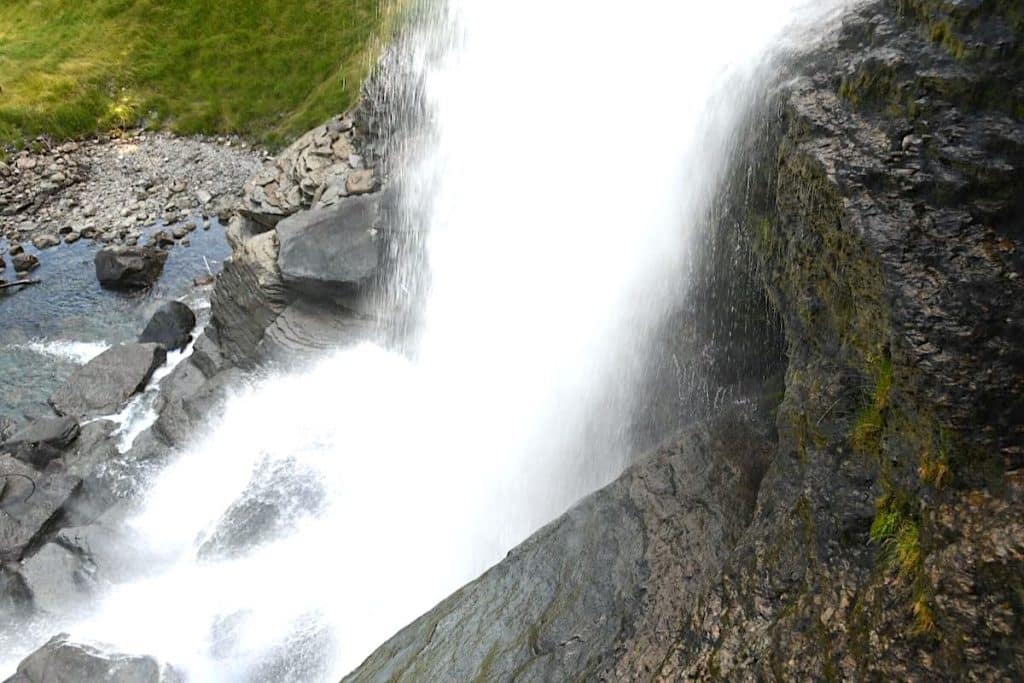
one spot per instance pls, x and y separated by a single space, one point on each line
267 69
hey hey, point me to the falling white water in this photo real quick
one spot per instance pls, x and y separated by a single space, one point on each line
575 147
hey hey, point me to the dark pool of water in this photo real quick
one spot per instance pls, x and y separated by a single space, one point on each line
44 327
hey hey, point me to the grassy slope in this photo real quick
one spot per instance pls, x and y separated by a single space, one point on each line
265 68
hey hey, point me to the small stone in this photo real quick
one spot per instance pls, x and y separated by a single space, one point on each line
45 241
355 161
179 232
204 197
71 237
16 249
178 186
163 238
203 280
360 182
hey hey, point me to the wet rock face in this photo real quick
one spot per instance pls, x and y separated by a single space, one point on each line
595 594
105 383
888 522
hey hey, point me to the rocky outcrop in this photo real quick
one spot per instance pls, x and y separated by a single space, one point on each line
63 661
171 326
307 248
317 170
105 383
129 267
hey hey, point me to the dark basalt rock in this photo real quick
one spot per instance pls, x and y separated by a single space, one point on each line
331 249
63 661
129 268
103 385
171 326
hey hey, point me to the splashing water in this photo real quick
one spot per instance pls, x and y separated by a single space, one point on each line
77 352
575 146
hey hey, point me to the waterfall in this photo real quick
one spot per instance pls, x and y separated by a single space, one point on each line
574 149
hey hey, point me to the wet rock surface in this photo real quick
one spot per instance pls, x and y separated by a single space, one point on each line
103 385
171 326
604 582
129 267
63 661
32 505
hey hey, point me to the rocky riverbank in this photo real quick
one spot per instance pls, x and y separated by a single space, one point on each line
111 189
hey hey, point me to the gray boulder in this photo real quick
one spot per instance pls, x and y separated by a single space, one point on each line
32 505
171 326
53 431
331 248
41 440
103 385
62 661
129 268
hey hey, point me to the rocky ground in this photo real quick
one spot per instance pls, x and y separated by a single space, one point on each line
110 189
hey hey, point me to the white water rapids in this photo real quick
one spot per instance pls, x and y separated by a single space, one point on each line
577 144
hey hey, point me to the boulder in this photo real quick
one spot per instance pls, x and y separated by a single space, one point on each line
171 326
331 248
129 267
24 262
62 661
42 440
52 431
32 505
103 385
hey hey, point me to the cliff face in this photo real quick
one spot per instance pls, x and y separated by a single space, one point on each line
885 538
